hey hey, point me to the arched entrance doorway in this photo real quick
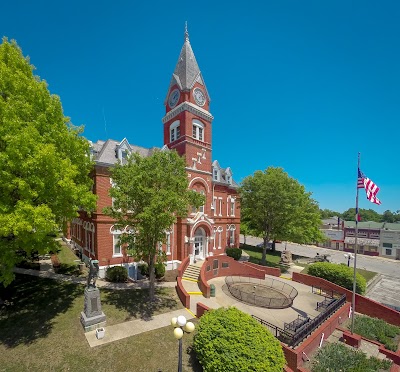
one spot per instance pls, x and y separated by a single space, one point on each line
199 244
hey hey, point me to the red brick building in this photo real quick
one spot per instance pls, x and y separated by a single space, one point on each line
188 130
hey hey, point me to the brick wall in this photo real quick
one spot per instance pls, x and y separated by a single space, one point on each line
364 305
273 271
201 309
216 266
182 294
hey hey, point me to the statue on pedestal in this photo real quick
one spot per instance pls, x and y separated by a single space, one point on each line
92 317
93 273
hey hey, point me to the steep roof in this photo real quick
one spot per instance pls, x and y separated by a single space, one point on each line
187 71
106 152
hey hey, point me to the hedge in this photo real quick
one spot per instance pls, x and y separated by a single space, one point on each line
338 357
378 330
159 269
230 340
338 274
117 274
235 253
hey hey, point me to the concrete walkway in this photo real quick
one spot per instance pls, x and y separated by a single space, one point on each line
47 271
134 327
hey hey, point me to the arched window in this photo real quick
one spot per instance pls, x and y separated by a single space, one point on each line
117 250
174 131
198 130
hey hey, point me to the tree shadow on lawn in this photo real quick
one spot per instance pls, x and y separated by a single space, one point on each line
136 302
33 303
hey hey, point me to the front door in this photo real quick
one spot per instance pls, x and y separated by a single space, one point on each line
199 239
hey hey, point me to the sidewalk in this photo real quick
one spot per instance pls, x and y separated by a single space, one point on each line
46 271
134 327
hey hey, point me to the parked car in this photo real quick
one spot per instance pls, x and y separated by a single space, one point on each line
261 245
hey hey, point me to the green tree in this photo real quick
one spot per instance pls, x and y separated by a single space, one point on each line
230 340
149 194
327 213
44 163
365 215
277 207
388 216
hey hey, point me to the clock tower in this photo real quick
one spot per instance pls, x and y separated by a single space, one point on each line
187 122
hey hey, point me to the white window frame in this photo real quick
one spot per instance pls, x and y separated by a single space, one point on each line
232 207
201 208
116 236
220 205
198 130
214 205
174 131
168 243
217 232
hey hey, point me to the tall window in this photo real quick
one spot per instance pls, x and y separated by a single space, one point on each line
175 131
168 244
117 249
220 206
232 204
201 208
198 130
215 205
215 175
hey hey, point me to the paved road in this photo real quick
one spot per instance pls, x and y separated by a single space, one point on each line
386 290
379 265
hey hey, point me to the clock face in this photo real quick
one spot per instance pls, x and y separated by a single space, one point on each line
199 97
173 98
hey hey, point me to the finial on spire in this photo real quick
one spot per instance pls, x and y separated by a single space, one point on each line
186 32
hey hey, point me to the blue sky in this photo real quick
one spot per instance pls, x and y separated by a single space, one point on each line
303 85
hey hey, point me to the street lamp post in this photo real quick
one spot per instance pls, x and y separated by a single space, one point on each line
181 325
349 257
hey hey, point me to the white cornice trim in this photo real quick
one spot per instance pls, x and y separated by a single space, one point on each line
188 106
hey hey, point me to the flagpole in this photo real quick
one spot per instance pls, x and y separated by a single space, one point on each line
353 301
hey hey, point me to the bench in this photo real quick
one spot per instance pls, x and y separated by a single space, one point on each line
325 303
296 324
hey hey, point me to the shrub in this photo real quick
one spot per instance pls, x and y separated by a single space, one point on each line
235 253
377 330
338 357
144 269
230 340
338 274
117 274
159 270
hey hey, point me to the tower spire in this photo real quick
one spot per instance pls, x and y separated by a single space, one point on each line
186 32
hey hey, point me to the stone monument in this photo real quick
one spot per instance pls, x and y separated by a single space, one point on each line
286 258
92 317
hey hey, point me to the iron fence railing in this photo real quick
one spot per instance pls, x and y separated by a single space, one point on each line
281 296
294 338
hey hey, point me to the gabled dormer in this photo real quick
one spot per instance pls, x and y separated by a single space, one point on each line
216 171
123 150
228 176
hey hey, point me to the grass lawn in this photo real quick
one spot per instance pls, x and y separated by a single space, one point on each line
273 258
41 331
368 275
68 260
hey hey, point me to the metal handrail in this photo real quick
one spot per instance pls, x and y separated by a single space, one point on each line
294 338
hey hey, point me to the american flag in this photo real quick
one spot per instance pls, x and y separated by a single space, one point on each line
371 189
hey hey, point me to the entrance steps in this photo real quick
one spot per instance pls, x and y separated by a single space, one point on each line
192 273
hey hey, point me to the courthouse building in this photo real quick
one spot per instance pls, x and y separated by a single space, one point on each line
187 128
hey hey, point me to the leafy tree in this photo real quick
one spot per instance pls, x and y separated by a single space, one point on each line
230 340
327 213
338 274
388 216
244 229
365 215
277 207
44 163
149 194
